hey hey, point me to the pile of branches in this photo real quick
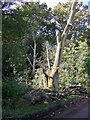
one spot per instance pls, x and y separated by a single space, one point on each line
43 95
76 89
48 95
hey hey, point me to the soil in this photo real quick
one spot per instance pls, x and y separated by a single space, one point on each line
79 109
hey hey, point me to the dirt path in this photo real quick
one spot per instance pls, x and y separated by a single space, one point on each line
79 110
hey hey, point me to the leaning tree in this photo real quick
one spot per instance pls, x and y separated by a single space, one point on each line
52 74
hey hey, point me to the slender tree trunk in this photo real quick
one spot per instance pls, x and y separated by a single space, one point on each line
34 48
47 51
26 83
34 57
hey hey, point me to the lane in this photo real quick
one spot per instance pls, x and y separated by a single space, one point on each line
80 110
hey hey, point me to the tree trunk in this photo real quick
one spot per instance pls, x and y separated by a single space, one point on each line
56 80
47 52
53 81
53 76
34 56
50 83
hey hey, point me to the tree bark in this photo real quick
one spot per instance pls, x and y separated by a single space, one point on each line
34 57
53 77
47 51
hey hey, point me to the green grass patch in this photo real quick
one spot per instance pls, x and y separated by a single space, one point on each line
24 107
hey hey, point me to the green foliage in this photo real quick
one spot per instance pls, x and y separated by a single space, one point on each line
13 57
18 39
12 89
87 60
30 23
38 79
73 70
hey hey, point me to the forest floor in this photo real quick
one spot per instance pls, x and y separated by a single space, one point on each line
77 108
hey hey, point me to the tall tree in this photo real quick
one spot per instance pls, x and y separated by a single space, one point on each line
35 14
70 33
13 48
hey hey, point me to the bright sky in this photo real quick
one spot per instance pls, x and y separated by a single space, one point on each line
52 3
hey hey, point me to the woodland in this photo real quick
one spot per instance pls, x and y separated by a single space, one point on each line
45 55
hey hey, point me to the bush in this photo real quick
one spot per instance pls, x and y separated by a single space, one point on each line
12 89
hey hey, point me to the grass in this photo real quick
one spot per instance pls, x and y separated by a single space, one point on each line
24 107
19 112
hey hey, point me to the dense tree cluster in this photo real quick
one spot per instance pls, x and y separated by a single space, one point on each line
26 31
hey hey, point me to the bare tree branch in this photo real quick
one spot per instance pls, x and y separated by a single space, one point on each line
69 21
47 51
34 56
29 60
58 36
31 47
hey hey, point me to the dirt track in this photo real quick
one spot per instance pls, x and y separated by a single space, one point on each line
80 110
